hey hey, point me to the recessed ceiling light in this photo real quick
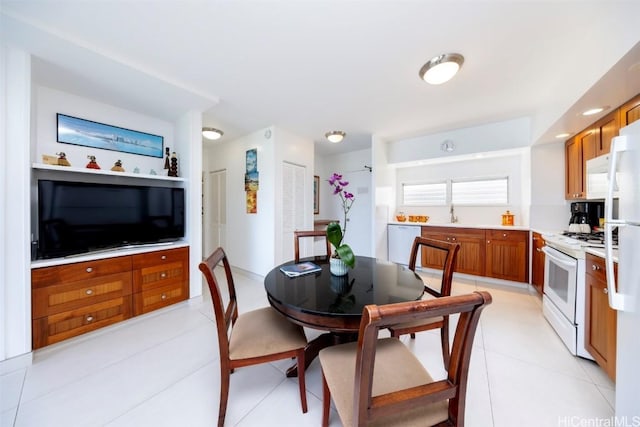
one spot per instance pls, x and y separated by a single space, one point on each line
441 68
593 111
335 136
562 135
212 133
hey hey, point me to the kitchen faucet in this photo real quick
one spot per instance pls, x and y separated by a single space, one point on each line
452 217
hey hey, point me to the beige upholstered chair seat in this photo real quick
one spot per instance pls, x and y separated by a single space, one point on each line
396 368
264 331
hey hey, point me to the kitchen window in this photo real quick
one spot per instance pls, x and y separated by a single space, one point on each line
470 192
425 194
494 191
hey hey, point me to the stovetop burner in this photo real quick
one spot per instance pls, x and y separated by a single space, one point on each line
592 239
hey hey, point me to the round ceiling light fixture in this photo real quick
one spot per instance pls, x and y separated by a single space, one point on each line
212 133
441 68
335 136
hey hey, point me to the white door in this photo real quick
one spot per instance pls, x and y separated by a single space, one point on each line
215 211
293 205
359 226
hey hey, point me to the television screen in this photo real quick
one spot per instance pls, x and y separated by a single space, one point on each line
77 217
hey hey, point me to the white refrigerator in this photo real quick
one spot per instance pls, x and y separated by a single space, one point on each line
624 175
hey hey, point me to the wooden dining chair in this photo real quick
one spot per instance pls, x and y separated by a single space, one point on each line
446 253
380 381
297 235
258 336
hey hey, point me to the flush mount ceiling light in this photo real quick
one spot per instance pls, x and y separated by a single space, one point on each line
441 68
562 135
335 136
212 133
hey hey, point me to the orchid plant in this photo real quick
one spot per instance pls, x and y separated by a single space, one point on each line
335 234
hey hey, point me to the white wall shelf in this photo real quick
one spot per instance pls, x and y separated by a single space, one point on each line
68 169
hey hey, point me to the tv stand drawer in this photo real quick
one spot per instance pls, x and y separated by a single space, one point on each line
61 326
159 297
47 276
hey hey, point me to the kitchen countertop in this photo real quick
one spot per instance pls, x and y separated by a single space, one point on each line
600 253
462 225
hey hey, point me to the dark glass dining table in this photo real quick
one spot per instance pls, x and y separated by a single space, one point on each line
334 303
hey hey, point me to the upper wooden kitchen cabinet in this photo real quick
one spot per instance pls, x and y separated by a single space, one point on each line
472 248
630 111
605 130
573 169
537 262
600 318
507 255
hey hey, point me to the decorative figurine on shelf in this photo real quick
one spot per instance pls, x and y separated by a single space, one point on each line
62 159
152 172
166 160
92 163
117 167
173 170
136 170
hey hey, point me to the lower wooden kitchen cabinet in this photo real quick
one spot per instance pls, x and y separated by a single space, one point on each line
600 318
501 254
472 248
72 299
507 255
537 262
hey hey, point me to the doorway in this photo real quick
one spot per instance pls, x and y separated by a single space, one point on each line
214 216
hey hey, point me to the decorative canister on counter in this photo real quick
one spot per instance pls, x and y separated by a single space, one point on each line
507 218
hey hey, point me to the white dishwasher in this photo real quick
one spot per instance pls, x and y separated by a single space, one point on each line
399 242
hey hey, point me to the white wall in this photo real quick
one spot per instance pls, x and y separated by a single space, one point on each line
361 212
15 282
250 237
549 209
50 101
254 241
485 138
510 165
384 197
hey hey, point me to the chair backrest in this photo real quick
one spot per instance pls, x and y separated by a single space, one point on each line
450 253
225 315
297 235
453 388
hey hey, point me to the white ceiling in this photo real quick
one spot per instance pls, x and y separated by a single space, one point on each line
315 66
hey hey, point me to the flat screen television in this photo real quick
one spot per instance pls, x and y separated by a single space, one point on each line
78 217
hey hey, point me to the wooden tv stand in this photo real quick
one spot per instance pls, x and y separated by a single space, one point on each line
74 298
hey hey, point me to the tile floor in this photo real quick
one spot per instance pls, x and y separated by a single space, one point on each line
161 370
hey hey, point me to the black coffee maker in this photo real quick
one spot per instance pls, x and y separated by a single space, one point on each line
586 213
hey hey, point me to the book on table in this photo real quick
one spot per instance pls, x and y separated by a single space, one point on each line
294 270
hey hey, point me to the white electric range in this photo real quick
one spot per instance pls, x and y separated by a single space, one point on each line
563 302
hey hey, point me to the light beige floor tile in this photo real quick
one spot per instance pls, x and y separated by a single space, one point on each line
11 389
597 375
608 394
192 401
123 385
56 366
8 417
523 394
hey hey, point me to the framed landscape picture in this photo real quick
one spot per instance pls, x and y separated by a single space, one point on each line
316 194
76 131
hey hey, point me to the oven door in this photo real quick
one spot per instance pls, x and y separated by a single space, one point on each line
560 274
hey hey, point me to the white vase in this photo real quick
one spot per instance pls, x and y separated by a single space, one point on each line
338 267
